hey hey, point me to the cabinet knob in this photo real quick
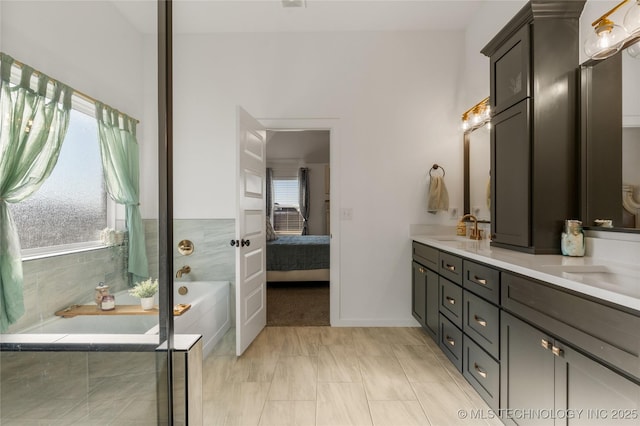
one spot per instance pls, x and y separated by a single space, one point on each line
452 268
545 344
451 300
450 340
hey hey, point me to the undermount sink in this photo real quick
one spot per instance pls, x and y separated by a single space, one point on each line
579 269
595 274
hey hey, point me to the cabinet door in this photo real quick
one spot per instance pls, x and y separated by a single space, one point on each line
598 395
510 172
526 371
432 304
418 293
424 299
510 71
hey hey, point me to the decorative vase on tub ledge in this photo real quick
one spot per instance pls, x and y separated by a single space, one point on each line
145 290
146 303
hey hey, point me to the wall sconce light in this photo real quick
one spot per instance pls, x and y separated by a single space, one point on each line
476 116
608 38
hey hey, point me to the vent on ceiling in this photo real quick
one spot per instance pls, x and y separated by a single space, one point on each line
294 3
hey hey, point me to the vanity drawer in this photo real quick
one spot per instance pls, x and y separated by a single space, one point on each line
482 372
607 332
451 301
451 341
451 267
482 280
427 256
482 323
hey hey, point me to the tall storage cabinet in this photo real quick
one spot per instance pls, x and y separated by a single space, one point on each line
534 141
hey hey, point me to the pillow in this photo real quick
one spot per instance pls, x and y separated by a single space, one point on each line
271 234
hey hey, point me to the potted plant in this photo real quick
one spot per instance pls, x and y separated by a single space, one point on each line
145 290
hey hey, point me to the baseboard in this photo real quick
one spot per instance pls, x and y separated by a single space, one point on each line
342 322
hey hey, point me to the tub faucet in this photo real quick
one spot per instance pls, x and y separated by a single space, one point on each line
184 270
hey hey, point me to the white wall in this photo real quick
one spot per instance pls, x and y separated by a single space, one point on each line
395 97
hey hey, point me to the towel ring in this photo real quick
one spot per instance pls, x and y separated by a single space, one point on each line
436 167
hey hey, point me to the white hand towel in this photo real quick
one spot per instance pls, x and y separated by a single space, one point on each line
438 197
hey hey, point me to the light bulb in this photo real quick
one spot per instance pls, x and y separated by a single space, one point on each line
632 19
605 41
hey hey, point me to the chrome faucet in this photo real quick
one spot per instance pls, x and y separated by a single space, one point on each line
476 234
184 270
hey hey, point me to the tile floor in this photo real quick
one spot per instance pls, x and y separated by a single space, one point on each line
336 376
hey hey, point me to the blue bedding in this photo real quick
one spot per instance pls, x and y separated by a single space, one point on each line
298 252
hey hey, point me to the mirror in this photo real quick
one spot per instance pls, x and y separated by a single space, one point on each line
610 127
477 161
477 171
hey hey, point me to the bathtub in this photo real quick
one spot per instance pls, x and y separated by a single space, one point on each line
208 316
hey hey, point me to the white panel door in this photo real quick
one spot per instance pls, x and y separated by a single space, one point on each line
251 297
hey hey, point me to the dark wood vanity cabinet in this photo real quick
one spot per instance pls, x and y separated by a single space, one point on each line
534 148
529 346
465 312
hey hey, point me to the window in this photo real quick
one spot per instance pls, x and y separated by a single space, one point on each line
71 207
286 210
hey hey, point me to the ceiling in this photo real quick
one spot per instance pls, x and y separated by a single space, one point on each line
308 146
213 16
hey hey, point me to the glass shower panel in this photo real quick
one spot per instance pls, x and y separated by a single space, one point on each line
65 360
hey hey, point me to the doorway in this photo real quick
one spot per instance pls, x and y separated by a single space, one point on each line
299 227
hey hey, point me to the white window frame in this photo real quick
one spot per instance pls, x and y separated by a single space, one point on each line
86 107
285 173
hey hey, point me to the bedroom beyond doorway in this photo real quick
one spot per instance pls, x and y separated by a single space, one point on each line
298 227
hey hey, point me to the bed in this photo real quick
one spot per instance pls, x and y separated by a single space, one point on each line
298 258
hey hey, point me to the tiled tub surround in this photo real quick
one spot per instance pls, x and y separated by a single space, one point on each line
54 283
86 388
213 258
89 378
208 316
609 275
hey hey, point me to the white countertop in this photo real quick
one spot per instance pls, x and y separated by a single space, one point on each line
614 282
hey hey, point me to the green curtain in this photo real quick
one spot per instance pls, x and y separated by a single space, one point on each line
121 167
32 128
